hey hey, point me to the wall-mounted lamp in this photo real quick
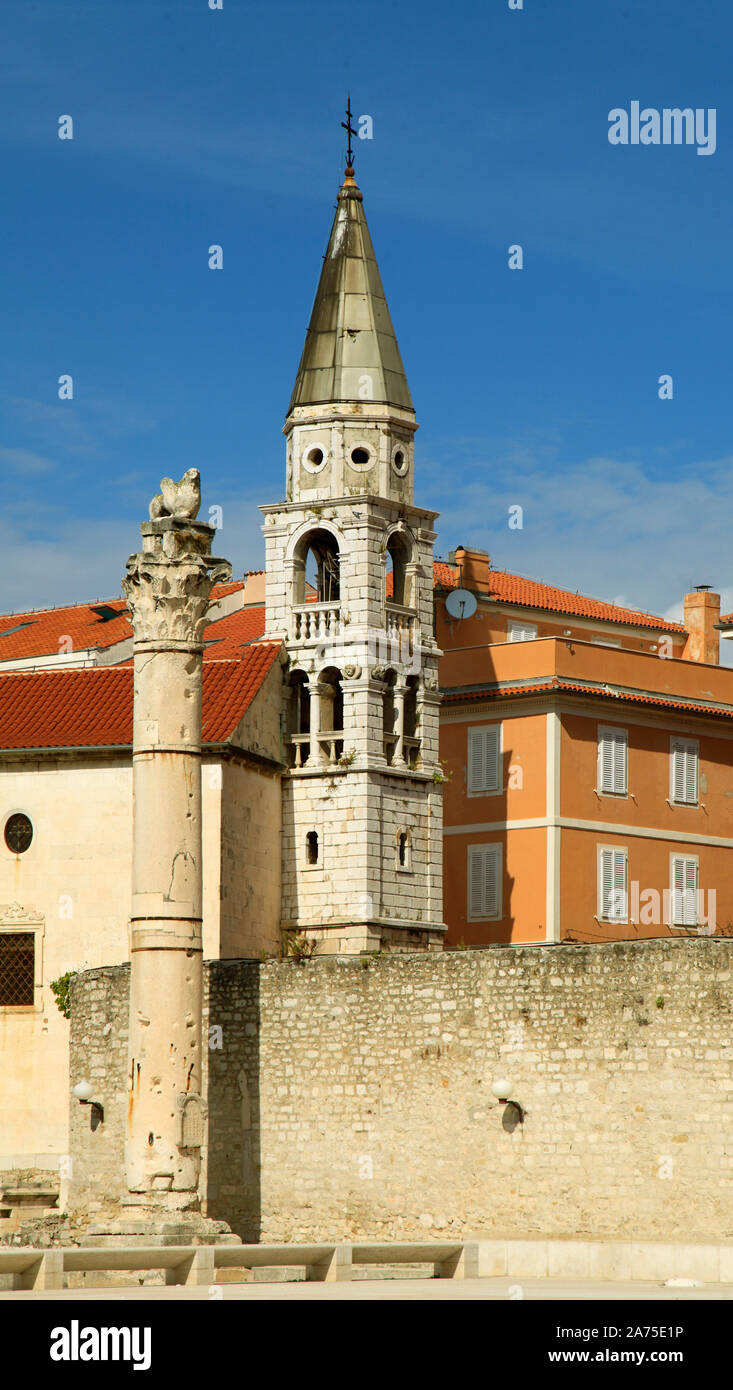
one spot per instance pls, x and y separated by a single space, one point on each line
84 1092
514 1113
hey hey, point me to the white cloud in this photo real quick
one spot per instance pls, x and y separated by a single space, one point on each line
607 527
51 558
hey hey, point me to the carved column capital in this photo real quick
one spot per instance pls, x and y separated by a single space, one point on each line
168 583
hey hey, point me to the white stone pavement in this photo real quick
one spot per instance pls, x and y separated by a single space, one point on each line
377 1290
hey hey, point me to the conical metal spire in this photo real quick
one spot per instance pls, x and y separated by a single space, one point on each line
350 351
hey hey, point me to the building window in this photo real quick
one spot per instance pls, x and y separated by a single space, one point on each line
311 847
484 882
404 850
484 759
17 968
684 876
606 641
361 456
522 632
314 458
613 893
316 576
398 556
684 758
400 461
18 833
613 760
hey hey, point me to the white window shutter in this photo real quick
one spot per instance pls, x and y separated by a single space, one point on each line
613 753
619 885
522 632
613 894
678 771
605 759
606 871
484 881
691 775
492 884
684 771
620 757
483 759
684 890
475 881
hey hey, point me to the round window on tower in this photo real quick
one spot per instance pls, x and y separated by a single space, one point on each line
18 833
400 460
361 456
314 458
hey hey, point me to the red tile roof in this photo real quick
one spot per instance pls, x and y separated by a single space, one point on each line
52 630
529 593
228 636
530 688
92 707
81 626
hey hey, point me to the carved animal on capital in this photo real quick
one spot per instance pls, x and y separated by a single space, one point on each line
180 500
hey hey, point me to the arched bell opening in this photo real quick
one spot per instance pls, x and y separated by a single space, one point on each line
331 726
389 715
299 719
317 569
411 722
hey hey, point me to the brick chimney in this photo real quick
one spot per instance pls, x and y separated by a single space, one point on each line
473 566
702 612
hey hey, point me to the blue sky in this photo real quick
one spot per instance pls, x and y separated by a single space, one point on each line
536 387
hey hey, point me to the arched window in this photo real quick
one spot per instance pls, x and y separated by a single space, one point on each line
404 850
311 847
411 707
299 712
389 715
317 568
412 723
332 700
398 555
299 718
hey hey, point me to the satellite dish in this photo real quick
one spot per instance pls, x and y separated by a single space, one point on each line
461 603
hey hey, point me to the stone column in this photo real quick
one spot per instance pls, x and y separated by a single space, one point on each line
400 694
314 690
168 585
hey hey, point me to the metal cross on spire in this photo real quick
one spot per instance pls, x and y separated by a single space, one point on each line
348 127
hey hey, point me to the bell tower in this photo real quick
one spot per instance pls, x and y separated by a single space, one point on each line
350 592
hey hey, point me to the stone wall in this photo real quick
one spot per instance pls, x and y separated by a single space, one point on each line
353 1096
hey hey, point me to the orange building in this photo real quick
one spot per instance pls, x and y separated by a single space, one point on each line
589 756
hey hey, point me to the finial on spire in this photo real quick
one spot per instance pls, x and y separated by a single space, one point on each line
348 127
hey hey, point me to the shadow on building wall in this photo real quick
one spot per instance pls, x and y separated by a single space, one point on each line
231 1181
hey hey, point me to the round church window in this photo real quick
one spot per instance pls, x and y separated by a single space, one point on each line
314 458
18 833
361 456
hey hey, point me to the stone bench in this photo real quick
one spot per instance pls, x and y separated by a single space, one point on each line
480 1259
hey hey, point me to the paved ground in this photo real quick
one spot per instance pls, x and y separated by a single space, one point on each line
371 1290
